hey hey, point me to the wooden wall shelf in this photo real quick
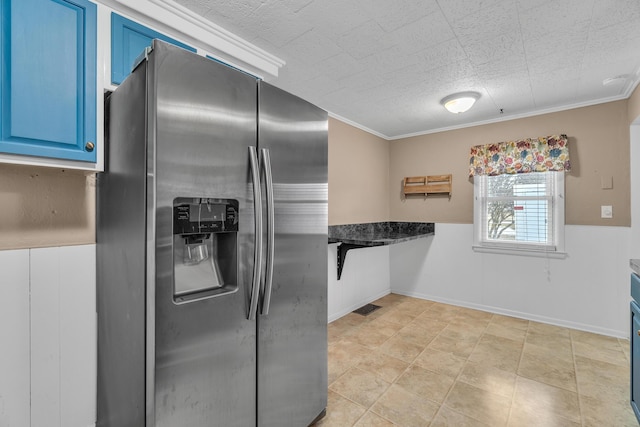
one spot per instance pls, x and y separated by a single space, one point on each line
431 184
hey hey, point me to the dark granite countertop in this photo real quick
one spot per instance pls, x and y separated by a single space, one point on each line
633 263
379 233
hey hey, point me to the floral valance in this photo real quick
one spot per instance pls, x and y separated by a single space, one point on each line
550 153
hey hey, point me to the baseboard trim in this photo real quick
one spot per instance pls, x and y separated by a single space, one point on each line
369 299
521 315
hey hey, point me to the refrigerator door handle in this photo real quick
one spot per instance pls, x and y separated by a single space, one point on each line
257 251
268 280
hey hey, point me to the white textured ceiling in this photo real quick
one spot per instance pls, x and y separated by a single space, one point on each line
386 64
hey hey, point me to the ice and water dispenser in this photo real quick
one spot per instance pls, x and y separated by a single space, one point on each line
205 237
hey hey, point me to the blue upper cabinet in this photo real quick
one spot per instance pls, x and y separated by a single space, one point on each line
128 41
48 78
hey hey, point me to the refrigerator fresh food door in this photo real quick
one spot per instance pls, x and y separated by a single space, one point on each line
202 120
292 344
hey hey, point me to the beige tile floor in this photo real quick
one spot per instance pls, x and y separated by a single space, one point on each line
421 363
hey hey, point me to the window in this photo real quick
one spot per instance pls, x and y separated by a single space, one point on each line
519 213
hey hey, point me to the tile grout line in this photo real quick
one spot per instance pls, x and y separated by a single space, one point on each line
457 378
345 397
451 320
517 375
376 349
575 371
397 377
410 364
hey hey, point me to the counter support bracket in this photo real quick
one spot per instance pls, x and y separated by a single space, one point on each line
343 248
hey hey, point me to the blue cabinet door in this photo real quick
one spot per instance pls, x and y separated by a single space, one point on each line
635 358
48 78
128 41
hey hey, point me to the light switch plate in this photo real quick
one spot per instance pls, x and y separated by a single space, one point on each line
606 211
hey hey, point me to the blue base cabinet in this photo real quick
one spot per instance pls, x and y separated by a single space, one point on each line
48 78
634 339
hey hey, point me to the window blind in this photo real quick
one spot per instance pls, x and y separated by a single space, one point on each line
518 209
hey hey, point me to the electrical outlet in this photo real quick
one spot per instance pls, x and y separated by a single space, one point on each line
606 211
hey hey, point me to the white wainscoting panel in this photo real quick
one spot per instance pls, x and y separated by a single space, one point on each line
49 356
365 278
78 337
634 155
45 337
588 290
63 336
14 339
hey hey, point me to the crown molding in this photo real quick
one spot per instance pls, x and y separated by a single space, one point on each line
632 83
538 112
169 16
489 121
359 126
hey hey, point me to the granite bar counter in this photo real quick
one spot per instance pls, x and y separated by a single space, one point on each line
364 235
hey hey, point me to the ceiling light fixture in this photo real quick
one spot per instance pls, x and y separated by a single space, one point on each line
460 102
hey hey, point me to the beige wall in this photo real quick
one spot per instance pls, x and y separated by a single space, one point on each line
42 207
634 106
358 175
599 149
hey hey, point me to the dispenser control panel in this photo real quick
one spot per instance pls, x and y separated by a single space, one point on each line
204 215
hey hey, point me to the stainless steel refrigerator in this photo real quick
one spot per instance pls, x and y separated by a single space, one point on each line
211 250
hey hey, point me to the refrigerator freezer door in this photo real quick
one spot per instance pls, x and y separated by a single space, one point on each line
202 119
292 345
120 260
